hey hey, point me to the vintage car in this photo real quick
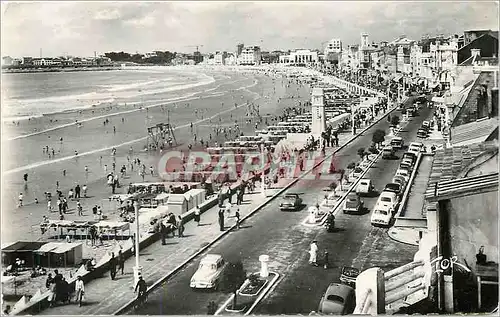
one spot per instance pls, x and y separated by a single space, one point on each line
403 172
348 276
393 187
422 133
209 273
399 180
365 187
339 299
291 202
381 215
415 147
397 143
388 152
353 204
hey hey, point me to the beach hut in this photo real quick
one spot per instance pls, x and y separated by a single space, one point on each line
22 250
59 254
198 196
177 204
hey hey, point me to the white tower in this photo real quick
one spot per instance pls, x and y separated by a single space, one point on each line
318 112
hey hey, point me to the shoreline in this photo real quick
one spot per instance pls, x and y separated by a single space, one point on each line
59 69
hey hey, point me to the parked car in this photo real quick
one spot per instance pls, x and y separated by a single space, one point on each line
339 299
291 202
403 172
353 204
410 156
388 152
399 180
348 276
393 187
406 163
209 272
365 187
426 124
422 133
397 143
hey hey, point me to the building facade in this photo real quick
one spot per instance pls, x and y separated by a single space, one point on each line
250 55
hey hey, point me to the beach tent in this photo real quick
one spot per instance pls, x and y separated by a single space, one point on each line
177 204
20 249
59 254
198 196
112 227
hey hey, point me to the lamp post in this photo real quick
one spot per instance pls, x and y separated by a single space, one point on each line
262 177
137 267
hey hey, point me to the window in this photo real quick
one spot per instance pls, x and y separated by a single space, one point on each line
382 212
335 298
385 199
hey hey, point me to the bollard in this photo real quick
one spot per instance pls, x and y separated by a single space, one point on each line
264 265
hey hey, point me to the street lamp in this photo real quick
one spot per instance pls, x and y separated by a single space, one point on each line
137 267
262 177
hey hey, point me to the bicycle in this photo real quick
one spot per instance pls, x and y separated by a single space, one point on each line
141 300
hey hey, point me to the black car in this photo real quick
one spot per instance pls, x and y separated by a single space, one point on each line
393 187
422 133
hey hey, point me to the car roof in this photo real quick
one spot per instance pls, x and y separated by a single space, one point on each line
385 193
416 143
211 258
367 180
341 290
391 184
397 138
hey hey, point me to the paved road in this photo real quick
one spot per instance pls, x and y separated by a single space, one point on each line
282 236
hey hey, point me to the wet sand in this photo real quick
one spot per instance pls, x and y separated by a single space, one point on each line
93 140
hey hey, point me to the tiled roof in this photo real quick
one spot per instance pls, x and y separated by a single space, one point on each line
473 130
450 162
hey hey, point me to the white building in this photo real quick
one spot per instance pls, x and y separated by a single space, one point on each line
350 58
299 57
230 59
250 55
333 46
219 58
150 54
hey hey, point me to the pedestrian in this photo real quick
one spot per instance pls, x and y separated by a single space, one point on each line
221 219
121 261
237 215
25 177
326 263
80 290
229 193
313 253
49 205
20 198
79 208
142 287
180 226
151 170
112 265
197 215
163 232
84 188
77 191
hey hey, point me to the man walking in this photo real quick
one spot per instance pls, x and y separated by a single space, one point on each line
221 219
313 253
121 261
77 191
80 290
180 226
112 266
197 215
237 215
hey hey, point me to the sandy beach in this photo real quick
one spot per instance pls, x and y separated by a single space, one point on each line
221 103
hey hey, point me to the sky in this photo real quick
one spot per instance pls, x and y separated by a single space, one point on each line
80 28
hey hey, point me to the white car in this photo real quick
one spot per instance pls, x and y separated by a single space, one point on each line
415 147
209 272
365 187
381 216
365 164
387 199
403 172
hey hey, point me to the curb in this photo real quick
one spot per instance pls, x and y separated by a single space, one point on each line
227 231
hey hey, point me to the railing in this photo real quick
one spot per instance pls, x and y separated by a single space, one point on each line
376 292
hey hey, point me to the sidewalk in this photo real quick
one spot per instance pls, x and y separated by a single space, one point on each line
104 296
